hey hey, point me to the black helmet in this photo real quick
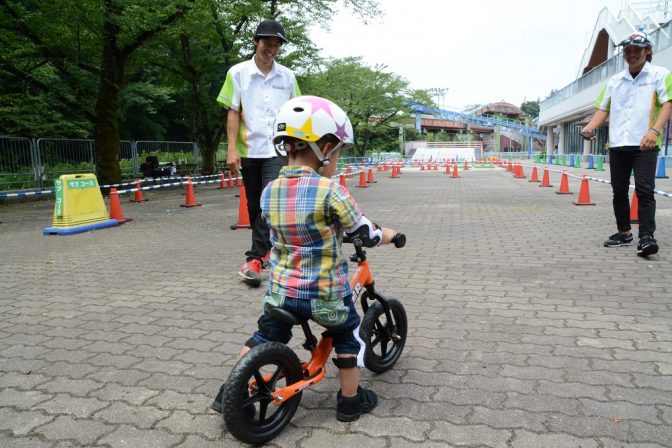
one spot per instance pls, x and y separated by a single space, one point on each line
270 28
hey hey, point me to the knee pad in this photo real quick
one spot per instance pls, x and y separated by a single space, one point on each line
345 363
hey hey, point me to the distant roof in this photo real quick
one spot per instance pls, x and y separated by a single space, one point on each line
501 107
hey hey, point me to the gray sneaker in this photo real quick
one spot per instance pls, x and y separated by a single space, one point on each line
618 239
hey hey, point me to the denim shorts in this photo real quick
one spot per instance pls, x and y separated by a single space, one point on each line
339 317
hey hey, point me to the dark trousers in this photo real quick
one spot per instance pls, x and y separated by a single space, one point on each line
257 173
622 161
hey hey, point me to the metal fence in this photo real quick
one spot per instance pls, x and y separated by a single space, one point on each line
35 163
184 155
17 163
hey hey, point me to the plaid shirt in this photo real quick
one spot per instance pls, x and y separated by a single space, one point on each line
307 214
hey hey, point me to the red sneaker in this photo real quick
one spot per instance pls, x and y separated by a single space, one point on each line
251 272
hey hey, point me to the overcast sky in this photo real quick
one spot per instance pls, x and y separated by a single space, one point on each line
480 50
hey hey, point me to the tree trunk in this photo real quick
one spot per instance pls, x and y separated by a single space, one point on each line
208 152
107 135
367 141
111 82
107 106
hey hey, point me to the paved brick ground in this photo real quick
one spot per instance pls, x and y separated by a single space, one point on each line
524 330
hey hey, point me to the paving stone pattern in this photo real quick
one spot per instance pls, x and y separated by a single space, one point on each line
524 331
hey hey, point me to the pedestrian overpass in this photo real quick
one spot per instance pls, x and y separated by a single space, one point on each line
496 124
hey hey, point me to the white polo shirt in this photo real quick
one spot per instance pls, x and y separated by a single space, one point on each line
634 104
258 98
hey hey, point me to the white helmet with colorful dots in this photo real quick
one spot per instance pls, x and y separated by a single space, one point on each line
308 119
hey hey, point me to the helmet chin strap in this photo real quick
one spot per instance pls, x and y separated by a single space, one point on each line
323 158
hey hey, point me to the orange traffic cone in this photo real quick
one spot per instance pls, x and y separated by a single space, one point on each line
239 179
436 166
222 181
115 207
230 180
564 185
545 181
422 167
455 174
342 181
518 172
535 175
348 172
370 180
137 195
447 168
584 193
379 168
466 166
243 213
362 180
509 166
394 172
190 200
634 209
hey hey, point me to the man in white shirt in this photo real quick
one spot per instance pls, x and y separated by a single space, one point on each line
638 104
253 92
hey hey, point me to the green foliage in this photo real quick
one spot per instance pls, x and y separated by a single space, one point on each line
140 110
441 136
16 182
155 67
531 108
372 97
178 158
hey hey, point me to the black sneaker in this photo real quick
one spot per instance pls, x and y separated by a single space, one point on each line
348 409
217 402
618 239
216 405
647 246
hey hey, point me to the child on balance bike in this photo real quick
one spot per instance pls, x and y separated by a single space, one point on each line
307 213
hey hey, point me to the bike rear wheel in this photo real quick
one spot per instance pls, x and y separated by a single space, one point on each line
248 409
384 339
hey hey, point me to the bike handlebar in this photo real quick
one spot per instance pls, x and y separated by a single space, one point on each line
399 240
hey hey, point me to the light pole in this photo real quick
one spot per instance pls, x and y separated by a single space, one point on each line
440 94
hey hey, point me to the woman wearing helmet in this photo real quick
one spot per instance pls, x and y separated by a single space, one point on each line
638 103
307 213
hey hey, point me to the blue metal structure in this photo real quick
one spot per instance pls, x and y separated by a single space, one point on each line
508 126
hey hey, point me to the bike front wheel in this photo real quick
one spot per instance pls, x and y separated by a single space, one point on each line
249 412
384 338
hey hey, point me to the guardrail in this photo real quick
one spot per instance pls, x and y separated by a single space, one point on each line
661 38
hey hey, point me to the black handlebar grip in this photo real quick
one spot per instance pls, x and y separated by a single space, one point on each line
399 240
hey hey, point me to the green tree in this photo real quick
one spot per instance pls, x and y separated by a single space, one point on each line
218 34
80 54
142 68
372 97
531 108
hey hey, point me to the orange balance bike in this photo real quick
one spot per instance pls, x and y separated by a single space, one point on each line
264 388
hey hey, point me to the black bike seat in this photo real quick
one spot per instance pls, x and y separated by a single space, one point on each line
283 315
